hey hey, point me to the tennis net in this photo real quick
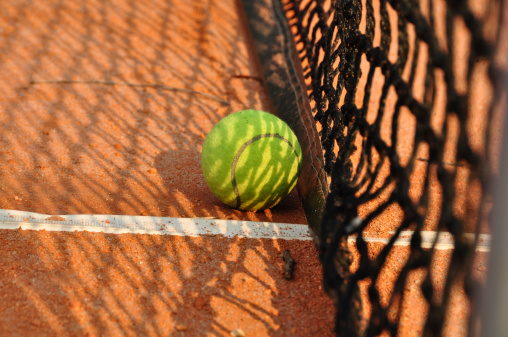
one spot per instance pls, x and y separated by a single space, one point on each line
407 110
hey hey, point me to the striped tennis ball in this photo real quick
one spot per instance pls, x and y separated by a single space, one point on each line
251 160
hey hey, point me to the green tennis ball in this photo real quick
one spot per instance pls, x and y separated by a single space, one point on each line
251 160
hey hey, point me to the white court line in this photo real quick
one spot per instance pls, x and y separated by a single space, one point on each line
128 224
444 241
121 224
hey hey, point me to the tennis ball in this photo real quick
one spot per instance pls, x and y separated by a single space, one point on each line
251 160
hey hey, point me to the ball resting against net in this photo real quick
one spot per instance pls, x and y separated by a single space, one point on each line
251 160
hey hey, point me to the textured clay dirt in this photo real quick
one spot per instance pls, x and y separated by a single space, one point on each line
121 149
99 148
94 284
134 148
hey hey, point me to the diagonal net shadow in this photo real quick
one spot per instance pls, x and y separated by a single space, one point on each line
71 147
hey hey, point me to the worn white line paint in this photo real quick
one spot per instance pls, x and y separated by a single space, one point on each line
444 241
121 224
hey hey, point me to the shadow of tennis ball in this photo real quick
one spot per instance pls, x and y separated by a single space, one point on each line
251 160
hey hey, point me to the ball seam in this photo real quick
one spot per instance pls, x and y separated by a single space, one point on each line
239 153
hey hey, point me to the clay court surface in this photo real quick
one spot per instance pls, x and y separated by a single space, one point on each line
149 81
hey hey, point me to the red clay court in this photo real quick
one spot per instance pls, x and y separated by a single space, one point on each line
108 226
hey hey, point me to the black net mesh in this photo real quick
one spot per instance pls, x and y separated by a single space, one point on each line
403 95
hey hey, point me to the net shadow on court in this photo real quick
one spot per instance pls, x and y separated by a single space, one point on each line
70 148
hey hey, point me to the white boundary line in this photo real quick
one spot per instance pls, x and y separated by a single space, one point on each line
121 224
444 241
195 227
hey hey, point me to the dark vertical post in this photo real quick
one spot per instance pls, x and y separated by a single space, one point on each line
495 306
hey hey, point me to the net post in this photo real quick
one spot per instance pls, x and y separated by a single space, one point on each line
495 315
